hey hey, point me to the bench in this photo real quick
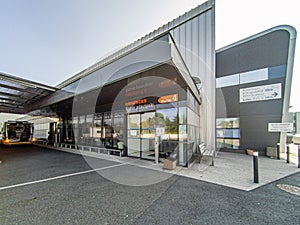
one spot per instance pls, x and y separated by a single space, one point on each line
203 150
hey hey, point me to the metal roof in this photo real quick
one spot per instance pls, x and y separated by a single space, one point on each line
16 94
141 42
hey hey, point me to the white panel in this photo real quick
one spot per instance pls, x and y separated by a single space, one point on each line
228 81
254 76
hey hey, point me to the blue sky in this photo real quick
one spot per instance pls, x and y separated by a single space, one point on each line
50 40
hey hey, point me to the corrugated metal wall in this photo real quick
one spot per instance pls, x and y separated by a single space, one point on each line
195 41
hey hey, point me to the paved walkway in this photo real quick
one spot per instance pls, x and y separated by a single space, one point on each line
231 169
236 170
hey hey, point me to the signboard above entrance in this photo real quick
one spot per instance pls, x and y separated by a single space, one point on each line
260 93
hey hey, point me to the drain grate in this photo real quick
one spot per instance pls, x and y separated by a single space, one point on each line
289 188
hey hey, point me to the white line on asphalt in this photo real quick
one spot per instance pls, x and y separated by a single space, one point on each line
59 177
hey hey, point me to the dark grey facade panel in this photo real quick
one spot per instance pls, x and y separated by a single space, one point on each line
266 51
254 132
261 108
228 102
270 49
267 107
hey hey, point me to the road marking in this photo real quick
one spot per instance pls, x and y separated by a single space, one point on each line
59 177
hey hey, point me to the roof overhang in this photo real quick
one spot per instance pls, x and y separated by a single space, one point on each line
17 94
154 54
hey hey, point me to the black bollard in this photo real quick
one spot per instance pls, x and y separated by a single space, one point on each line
278 151
298 156
255 167
288 154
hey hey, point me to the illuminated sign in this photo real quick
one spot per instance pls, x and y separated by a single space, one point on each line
136 102
168 99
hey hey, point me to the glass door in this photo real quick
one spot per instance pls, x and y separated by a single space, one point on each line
141 135
148 135
133 135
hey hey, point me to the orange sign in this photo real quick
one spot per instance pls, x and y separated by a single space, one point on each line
168 98
136 102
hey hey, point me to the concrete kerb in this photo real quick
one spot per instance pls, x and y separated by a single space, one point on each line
232 170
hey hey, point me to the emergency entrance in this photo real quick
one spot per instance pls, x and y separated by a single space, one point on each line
150 131
141 135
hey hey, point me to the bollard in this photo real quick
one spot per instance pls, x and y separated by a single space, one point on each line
288 154
255 167
298 156
278 151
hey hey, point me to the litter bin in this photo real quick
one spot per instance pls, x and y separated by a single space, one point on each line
170 161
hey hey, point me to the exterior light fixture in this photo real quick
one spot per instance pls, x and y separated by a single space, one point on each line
197 82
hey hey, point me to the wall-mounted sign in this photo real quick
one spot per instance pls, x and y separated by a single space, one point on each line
136 102
260 93
168 99
280 127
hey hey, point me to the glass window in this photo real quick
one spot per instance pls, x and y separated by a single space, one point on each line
228 81
277 71
97 130
228 133
182 115
228 143
254 76
118 126
80 128
107 130
168 119
86 123
228 123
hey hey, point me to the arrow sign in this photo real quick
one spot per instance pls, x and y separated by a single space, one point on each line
260 93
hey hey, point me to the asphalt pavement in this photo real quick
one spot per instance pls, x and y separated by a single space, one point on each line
43 186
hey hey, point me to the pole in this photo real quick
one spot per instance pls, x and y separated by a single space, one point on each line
298 156
278 151
255 167
288 154
156 150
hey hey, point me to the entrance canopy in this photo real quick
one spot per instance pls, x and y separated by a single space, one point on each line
17 94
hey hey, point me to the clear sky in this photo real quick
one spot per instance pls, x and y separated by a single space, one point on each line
50 40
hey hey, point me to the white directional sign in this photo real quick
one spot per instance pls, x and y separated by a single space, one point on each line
280 127
260 93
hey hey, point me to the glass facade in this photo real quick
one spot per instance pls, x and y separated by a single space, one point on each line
228 133
146 110
193 124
